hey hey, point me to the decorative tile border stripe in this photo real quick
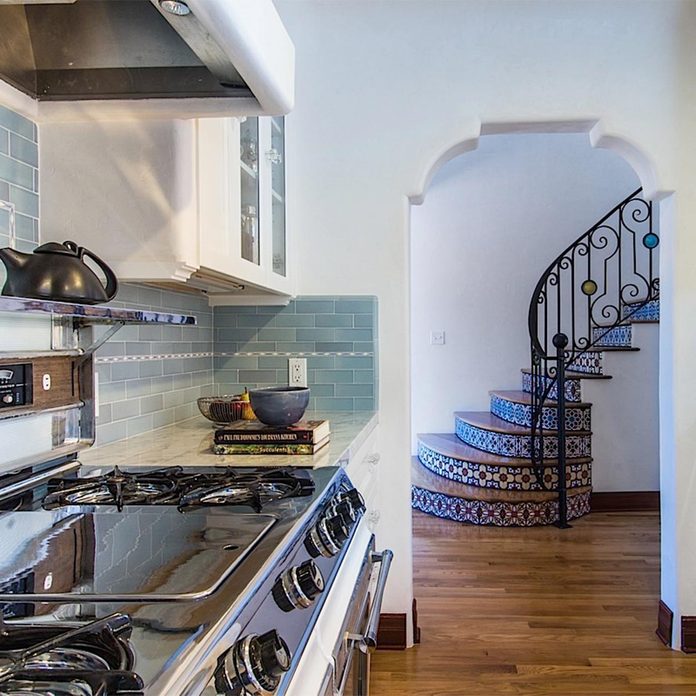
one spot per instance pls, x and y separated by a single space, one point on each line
619 336
506 478
176 356
650 311
521 414
498 513
589 363
572 387
512 445
103 360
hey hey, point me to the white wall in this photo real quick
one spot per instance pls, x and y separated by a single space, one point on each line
492 221
625 417
387 90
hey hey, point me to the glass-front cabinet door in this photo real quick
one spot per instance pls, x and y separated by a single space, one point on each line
250 176
276 156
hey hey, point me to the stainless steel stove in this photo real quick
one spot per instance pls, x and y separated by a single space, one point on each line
183 581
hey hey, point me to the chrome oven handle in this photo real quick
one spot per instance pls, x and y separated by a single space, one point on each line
369 639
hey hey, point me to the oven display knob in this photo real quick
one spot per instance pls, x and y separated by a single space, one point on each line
354 497
255 665
297 587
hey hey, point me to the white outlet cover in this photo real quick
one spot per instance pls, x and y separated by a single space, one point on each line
46 382
297 372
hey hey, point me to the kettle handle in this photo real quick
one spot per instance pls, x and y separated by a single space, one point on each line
111 281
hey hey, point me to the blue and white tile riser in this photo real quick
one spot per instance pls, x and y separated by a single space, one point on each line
521 414
497 513
650 311
572 387
588 363
336 334
618 337
508 478
519 445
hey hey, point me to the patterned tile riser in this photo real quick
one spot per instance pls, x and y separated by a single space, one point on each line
507 478
521 414
500 513
572 387
648 312
619 336
510 445
589 363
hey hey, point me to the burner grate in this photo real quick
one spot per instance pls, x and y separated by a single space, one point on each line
171 486
94 659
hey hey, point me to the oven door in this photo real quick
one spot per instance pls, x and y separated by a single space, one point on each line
359 631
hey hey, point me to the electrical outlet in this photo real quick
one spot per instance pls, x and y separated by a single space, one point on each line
297 372
437 338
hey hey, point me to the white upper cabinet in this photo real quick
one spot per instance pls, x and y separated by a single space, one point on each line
242 200
200 204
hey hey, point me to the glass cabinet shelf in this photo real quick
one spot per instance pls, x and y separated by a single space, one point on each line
93 314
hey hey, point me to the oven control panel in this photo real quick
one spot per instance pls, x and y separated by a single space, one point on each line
15 385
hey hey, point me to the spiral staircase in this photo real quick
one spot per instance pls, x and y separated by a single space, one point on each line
514 465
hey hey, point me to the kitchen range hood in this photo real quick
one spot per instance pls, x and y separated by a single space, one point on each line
212 57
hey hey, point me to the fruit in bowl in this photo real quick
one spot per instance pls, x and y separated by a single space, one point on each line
279 406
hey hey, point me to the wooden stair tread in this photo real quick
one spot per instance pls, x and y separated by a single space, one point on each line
610 349
523 397
485 420
422 478
571 374
449 445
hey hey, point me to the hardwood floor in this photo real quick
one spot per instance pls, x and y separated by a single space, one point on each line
537 611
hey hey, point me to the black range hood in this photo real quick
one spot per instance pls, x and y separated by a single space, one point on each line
74 50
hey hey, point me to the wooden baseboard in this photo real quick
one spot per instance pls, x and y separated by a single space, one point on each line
688 634
414 618
625 501
665 623
391 634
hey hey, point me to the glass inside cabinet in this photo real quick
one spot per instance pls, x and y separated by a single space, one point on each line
249 163
276 156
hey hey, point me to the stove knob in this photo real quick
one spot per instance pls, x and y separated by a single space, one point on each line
326 537
346 512
310 579
354 497
255 665
337 530
297 587
8 399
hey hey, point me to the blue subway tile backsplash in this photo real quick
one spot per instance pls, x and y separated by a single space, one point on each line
337 335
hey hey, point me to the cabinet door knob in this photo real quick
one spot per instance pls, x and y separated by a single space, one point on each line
273 156
372 459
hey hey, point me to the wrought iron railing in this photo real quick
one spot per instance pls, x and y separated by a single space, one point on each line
596 284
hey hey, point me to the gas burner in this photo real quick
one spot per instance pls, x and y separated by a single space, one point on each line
252 488
171 486
117 488
56 659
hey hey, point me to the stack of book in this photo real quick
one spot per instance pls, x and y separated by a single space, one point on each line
253 437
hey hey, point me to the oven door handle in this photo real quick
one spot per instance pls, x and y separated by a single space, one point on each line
369 638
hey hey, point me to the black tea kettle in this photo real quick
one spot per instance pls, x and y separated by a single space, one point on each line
57 272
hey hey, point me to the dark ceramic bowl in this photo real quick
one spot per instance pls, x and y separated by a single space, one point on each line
279 406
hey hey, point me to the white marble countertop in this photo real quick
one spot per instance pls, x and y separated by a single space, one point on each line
189 443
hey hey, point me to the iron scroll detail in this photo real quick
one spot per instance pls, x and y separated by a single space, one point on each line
593 286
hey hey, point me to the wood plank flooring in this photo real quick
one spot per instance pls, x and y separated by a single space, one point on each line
537 611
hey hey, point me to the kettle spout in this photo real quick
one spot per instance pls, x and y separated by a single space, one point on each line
13 260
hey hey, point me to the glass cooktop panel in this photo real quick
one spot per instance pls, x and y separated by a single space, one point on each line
149 554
